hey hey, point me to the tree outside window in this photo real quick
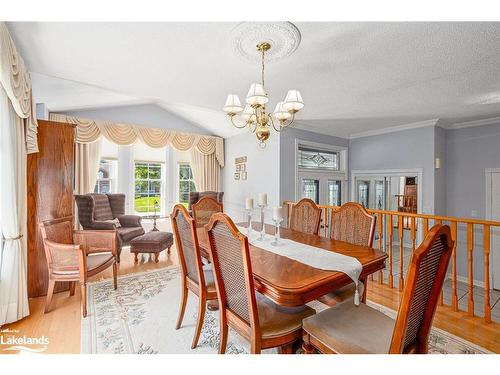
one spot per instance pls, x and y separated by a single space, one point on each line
148 182
186 183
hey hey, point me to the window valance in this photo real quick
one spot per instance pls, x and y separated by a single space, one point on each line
16 82
88 131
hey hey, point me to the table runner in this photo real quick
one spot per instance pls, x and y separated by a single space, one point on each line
309 255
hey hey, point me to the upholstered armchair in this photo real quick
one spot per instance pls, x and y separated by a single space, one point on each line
75 255
99 211
195 196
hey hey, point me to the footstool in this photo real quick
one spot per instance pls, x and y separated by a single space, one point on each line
152 243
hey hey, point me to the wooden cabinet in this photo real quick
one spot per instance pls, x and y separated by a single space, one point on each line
50 175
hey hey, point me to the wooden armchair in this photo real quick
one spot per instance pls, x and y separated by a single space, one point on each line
347 328
76 255
204 208
252 315
197 278
305 216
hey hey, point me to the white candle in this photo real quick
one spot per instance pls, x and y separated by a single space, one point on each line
277 213
262 199
249 203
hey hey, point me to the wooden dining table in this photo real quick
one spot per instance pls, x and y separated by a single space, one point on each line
291 283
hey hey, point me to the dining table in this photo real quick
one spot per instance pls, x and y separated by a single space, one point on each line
291 283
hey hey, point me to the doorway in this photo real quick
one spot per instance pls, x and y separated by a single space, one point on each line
493 213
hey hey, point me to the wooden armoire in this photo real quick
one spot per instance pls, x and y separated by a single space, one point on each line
50 174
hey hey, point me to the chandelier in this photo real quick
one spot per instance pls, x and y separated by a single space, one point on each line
254 115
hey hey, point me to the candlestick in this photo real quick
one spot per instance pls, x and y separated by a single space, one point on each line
276 232
249 203
262 225
249 222
277 213
262 199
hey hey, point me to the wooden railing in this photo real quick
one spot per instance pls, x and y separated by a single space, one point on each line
392 225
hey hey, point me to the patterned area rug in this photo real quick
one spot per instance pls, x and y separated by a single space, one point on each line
139 317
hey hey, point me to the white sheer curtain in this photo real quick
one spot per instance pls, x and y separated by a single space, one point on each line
13 253
206 171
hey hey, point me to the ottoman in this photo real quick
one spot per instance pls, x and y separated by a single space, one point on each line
151 242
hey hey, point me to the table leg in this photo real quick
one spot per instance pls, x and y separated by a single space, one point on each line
157 255
136 258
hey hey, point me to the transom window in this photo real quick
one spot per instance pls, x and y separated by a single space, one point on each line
148 182
317 159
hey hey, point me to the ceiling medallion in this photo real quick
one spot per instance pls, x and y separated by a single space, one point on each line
254 115
284 37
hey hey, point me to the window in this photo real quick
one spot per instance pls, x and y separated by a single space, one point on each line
334 192
106 176
317 159
310 189
363 192
186 183
148 187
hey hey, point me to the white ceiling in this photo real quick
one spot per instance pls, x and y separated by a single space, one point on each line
354 77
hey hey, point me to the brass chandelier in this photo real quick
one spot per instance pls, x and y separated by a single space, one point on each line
254 115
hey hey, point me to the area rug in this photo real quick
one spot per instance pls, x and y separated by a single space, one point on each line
139 318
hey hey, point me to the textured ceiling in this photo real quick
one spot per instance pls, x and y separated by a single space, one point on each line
354 77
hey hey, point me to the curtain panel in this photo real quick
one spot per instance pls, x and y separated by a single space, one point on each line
13 248
88 131
16 81
206 171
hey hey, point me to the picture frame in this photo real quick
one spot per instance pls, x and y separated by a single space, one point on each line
244 176
237 176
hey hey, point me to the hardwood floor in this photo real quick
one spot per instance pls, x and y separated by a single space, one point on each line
472 329
62 324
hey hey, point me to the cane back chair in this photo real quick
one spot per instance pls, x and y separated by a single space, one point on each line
203 209
305 216
76 255
352 223
259 320
347 328
195 277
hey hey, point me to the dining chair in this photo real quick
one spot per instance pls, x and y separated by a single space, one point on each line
75 255
196 277
305 216
348 328
204 208
258 319
352 223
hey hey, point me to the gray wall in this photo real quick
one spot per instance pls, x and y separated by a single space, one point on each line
287 156
149 115
469 152
440 174
263 171
407 149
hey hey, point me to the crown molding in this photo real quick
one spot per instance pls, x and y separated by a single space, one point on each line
392 129
470 124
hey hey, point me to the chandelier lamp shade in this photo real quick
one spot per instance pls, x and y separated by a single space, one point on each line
254 115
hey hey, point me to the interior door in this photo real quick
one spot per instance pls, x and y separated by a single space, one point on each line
495 231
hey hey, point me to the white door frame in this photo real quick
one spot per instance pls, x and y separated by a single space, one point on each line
489 216
389 173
